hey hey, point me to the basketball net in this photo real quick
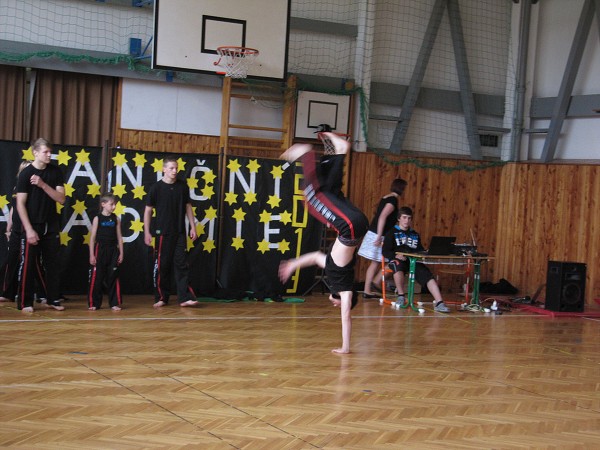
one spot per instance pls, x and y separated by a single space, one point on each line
328 147
236 60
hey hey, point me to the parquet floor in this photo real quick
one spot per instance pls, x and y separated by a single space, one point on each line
252 375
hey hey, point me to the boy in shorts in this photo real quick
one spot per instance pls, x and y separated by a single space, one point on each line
325 201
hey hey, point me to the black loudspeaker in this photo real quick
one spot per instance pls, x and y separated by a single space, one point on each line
565 286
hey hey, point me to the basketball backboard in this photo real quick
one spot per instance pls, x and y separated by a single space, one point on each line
316 108
188 32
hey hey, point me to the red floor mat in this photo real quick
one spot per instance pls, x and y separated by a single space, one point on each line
547 312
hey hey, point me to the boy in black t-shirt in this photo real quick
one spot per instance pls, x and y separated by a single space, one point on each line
9 271
106 254
39 188
170 198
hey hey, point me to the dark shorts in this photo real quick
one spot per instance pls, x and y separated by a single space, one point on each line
422 272
340 279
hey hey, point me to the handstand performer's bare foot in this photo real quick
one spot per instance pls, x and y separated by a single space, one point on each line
341 145
286 269
295 152
159 304
189 303
340 351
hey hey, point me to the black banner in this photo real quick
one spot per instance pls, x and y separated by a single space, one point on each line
246 224
264 221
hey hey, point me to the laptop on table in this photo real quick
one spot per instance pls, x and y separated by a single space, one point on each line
441 246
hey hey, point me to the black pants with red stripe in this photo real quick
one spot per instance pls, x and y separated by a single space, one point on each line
171 257
10 270
105 274
46 250
322 190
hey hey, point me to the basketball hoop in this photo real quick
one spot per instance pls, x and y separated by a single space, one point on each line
328 147
236 60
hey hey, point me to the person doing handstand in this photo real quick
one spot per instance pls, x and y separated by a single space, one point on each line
326 202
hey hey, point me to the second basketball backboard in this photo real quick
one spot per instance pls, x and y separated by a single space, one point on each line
188 32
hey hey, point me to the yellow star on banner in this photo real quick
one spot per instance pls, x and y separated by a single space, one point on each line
86 238
119 159
83 157
253 166
263 246
64 238
157 165
192 183
69 189
277 172
79 206
230 198
63 158
274 201
137 226
250 197
180 165
139 192
209 176
119 209
238 214
237 243
139 159
234 165
59 207
119 190
208 191
210 213
283 246
199 229
153 242
265 217
208 245
190 243
28 154
3 201
285 217
93 189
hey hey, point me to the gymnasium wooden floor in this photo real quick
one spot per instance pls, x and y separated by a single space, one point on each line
250 375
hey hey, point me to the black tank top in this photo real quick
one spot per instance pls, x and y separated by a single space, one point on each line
107 229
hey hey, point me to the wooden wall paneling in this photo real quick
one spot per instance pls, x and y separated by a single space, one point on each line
548 212
444 202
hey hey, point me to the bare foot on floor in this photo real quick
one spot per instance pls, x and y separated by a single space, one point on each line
116 308
159 304
189 303
340 351
27 309
55 305
4 299
92 308
295 151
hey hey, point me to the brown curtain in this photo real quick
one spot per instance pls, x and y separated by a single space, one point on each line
73 108
12 103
